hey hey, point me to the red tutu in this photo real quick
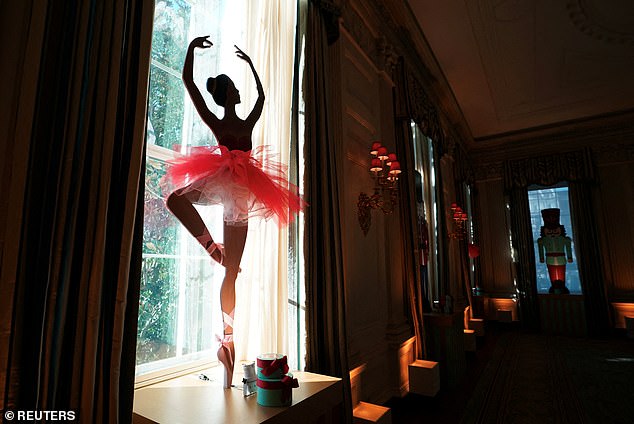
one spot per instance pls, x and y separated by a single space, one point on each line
247 183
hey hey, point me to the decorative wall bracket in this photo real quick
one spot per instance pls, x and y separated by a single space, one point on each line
376 201
385 186
459 223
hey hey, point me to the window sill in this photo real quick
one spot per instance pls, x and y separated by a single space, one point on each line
161 375
189 399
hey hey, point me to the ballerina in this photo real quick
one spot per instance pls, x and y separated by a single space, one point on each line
233 174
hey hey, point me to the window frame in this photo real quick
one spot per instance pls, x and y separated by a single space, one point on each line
569 231
164 154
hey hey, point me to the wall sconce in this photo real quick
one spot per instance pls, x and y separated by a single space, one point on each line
459 222
385 185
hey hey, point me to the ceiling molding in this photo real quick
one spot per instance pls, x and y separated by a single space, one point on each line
598 133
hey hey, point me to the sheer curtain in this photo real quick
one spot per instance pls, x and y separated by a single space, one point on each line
261 288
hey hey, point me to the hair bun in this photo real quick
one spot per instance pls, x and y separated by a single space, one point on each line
211 85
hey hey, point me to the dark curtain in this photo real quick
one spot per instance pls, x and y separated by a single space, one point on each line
76 287
589 257
326 346
525 274
577 169
407 198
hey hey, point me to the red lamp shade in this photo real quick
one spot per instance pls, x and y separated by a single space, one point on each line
474 251
395 168
390 158
382 152
375 148
454 206
376 165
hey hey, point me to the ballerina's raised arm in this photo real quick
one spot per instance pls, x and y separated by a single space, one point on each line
188 79
259 104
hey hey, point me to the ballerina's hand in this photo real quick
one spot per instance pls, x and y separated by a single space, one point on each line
202 42
242 55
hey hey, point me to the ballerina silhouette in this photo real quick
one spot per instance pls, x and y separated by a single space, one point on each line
244 180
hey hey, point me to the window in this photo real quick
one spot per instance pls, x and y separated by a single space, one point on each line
179 311
471 238
540 198
427 205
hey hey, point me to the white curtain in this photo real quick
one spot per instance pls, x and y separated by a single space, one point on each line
261 288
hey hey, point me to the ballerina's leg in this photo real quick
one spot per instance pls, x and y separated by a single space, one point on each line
182 206
235 239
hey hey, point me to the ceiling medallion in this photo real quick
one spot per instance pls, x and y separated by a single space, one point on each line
593 19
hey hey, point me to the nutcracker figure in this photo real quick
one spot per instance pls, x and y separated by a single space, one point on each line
555 249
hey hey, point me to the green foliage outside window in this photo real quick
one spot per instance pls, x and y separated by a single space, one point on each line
169 46
157 310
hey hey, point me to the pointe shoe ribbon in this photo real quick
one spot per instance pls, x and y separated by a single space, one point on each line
225 340
220 248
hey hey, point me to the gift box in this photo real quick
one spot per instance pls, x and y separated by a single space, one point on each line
274 383
276 392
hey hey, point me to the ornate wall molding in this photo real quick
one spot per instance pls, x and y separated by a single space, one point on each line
388 55
489 171
604 133
614 153
360 30
547 170
361 26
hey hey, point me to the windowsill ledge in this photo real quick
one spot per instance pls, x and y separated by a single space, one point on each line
189 399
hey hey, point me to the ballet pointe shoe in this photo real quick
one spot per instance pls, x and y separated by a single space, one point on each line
226 358
226 352
220 257
211 247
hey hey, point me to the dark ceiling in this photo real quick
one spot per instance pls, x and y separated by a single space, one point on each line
520 65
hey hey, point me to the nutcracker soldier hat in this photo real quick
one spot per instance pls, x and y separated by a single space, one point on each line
551 218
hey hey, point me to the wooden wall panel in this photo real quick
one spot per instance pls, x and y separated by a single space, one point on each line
376 322
617 214
366 255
